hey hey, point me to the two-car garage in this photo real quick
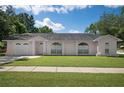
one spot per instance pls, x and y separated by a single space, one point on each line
22 48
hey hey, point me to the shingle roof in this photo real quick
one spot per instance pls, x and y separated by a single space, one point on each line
54 36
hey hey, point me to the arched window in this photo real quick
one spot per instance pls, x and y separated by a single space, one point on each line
83 49
25 44
18 43
56 49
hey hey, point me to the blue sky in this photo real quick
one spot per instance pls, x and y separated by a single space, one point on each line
66 19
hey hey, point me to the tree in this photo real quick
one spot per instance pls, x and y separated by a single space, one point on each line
20 28
12 23
36 30
27 20
92 29
31 23
10 10
6 25
45 29
108 24
122 10
120 33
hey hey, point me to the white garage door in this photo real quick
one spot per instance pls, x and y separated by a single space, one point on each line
22 49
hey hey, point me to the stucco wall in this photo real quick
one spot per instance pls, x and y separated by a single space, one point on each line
10 48
70 47
112 46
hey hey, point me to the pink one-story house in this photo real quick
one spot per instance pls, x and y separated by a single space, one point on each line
61 44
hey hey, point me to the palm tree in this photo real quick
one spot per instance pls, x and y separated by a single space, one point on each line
91 29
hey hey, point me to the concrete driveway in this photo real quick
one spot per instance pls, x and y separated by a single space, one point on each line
7 59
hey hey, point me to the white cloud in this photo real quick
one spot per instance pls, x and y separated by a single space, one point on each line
3 8
74 31
25 7
36 9
50 24
72 7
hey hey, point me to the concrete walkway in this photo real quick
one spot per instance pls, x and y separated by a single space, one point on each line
120 52
7 59
60 69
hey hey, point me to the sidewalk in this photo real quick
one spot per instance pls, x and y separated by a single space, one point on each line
60 69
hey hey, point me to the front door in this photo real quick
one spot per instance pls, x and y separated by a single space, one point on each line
39 48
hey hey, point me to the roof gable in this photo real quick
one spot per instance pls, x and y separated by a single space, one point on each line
106 36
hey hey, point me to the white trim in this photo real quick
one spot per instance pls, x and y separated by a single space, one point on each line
63 48
33 49
76 48
44 48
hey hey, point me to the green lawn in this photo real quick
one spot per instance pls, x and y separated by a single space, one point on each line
29 79
71 61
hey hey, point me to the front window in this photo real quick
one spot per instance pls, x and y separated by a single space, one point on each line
25 44
18 44
107 51
56 49
107 48
83 49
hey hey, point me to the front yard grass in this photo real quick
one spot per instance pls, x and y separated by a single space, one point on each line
31 79
71 61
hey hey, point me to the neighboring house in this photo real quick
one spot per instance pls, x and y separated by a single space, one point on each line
61 44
